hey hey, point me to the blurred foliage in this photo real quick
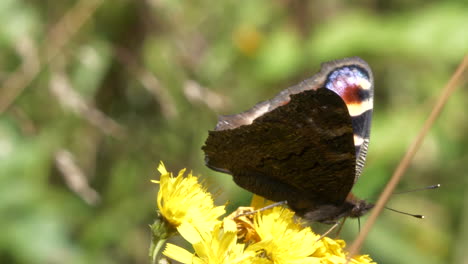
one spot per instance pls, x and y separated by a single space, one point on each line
94 93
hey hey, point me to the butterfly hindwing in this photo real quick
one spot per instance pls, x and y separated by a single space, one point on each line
352 80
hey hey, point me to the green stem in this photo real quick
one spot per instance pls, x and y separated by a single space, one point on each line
161 230
156 246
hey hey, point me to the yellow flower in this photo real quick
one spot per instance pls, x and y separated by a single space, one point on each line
273 236
183 201
247 39
218 246
284 240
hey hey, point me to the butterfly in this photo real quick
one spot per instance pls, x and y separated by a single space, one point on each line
306 146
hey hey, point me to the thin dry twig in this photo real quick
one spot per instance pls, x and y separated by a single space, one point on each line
149 81
69 98
53 45
194 92
16 82
449 88
74 177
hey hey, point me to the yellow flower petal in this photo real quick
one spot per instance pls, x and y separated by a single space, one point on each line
189 233
218 246
162 168
183 200
177 253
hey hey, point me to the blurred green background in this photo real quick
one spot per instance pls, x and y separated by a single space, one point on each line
95 93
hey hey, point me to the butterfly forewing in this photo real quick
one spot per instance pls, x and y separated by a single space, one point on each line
307 145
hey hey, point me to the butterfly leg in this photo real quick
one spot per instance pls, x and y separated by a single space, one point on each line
338 224
262 209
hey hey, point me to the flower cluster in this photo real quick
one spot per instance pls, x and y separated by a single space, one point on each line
270 236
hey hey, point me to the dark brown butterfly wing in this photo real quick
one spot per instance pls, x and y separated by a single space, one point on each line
295 152
307 145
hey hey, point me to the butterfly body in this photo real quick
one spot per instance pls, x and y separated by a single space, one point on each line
305 146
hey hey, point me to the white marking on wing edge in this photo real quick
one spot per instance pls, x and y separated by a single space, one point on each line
358 140
365 84
359 108
258 112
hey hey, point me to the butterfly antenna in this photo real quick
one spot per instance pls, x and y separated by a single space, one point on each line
419 189
435 186
405 213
